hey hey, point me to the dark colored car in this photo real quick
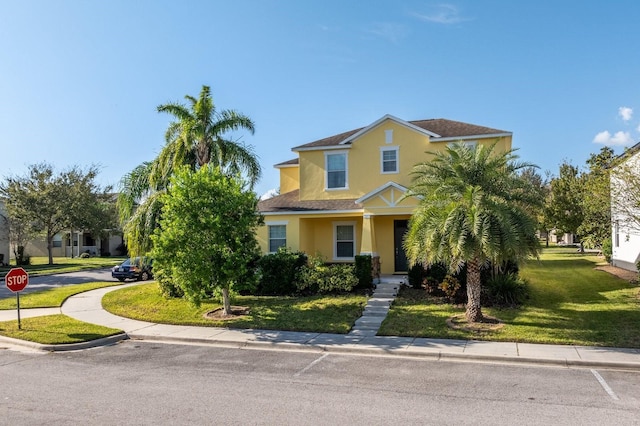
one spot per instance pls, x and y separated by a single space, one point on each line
137 268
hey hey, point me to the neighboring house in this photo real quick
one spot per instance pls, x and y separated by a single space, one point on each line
342 195
5 250
625 238
82 242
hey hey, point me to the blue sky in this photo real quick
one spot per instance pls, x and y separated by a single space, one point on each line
80 80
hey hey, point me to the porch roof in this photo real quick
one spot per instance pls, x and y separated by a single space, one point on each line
290 202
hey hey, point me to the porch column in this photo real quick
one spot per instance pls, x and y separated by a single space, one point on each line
368 245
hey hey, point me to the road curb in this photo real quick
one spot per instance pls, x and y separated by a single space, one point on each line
105 341
336 349
378 351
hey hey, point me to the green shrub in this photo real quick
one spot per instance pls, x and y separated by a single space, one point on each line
450 286
416 276
363 271
279 272
166 285
607 249
507 290
317 277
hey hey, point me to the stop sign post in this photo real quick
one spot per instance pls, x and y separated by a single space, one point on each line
16 280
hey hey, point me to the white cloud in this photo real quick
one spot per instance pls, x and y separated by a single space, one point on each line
625 113
270 194
442 14
619 138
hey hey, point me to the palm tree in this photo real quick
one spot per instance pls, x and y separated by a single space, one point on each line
474 208
195 138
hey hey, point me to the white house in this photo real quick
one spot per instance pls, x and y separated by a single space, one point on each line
4 235
625 210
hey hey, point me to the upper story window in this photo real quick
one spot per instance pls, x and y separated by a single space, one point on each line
389 160
468 144
336 167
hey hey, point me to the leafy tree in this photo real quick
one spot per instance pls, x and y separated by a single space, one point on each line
565 208
474 208
197 137
19 234
542 188
45 203
596 199
206 237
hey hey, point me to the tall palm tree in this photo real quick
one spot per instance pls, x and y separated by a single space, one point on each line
196 137
474 208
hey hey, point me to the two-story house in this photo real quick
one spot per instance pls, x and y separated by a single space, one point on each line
625 210
342 195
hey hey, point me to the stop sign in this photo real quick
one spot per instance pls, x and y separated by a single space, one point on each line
16 279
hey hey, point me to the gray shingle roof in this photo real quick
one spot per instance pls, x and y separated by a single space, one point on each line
440 126
290 202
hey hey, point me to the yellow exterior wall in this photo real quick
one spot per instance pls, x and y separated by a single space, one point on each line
364 166
292 223
289 179
312 174
313 233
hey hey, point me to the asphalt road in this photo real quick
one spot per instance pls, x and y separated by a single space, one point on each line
51 281
151 383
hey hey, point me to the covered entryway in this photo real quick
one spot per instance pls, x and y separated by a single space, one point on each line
399 230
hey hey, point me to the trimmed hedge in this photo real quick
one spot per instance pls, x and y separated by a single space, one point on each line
279 273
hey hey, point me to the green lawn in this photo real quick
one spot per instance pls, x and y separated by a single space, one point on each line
51 298
54 330
325 314
39 265
570 303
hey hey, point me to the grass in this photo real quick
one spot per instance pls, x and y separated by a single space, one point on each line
55 329
51 298
39 265
322 314
570 303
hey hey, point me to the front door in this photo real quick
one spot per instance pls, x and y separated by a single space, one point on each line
399 230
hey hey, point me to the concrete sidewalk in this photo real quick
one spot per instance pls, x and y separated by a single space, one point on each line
87 307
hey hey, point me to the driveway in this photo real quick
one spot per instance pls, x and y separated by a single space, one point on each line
58 280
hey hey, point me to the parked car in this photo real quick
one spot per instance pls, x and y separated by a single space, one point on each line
137 268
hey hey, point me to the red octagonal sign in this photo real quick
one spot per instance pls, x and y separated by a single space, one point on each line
16 279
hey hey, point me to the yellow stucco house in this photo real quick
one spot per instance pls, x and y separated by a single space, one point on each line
342 195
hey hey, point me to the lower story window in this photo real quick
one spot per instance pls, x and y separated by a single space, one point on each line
277 237
345 241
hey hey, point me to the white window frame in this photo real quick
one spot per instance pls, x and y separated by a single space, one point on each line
384 149
335 240
468 144
278 223
346 170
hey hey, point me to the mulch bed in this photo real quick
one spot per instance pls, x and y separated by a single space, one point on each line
619 272
488 324
236 312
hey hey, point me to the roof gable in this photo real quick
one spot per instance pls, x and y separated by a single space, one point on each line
438 129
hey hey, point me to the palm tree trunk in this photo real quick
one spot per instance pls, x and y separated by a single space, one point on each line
474 286
226 303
